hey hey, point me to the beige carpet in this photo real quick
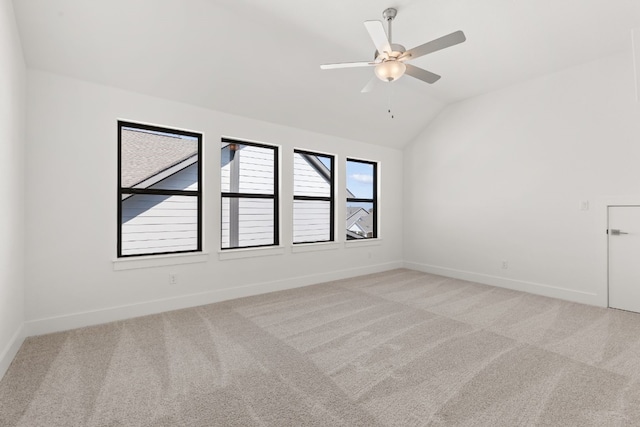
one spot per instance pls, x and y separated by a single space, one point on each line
398 348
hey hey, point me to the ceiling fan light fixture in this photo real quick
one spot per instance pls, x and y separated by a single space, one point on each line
390 70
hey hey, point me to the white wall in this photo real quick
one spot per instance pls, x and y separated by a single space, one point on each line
12 169
71 209
501 177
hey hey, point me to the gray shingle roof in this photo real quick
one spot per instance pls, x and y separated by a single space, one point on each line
145 154
366 223
357 215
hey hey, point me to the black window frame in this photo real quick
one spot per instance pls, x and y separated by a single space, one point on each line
373 200
330 199
275 196
129 190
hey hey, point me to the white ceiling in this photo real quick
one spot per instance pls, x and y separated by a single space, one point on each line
260 58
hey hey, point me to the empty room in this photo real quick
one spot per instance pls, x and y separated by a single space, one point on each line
330 213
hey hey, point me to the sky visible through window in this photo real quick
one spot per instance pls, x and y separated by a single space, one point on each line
360 179
360 182
325 161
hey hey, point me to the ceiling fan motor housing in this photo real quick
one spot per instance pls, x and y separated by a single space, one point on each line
397 50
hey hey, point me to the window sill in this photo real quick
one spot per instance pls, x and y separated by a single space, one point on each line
313 247
250 252
362 242
159 260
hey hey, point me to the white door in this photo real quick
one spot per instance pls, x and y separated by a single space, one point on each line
624 257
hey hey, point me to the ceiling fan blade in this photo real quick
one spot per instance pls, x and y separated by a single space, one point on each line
420 74
434 45
347 65
379 37
369 86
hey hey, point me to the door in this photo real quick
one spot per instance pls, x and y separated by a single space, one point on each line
624 257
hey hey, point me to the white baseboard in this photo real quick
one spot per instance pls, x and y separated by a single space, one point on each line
518 285
10 351
95 317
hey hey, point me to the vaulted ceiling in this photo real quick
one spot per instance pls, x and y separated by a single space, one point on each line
260 59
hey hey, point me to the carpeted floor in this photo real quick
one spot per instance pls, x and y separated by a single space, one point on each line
399 348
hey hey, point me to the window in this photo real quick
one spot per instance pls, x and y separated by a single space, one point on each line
362 199
313 202
249 186
159 191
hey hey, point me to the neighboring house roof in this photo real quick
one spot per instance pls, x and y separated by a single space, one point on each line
355 214
359 222
352 235
365 223
146 155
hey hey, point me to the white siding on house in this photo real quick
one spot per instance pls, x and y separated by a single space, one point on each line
256 175
311 221
255 222
156 223
306 179
256 170
311 218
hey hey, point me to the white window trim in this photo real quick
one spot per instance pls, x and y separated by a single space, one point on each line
372 241
314 246
149 261
240 253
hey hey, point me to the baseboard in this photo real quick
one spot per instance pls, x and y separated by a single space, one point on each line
518 285
95 317
10 351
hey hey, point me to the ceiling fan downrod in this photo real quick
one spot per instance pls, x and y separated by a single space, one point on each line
389 14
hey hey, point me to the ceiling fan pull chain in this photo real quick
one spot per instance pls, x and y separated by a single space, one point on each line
390 101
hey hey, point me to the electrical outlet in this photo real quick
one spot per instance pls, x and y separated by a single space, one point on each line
505 265
173 279
584 205
370 255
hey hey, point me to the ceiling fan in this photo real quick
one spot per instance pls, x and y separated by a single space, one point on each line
390 59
